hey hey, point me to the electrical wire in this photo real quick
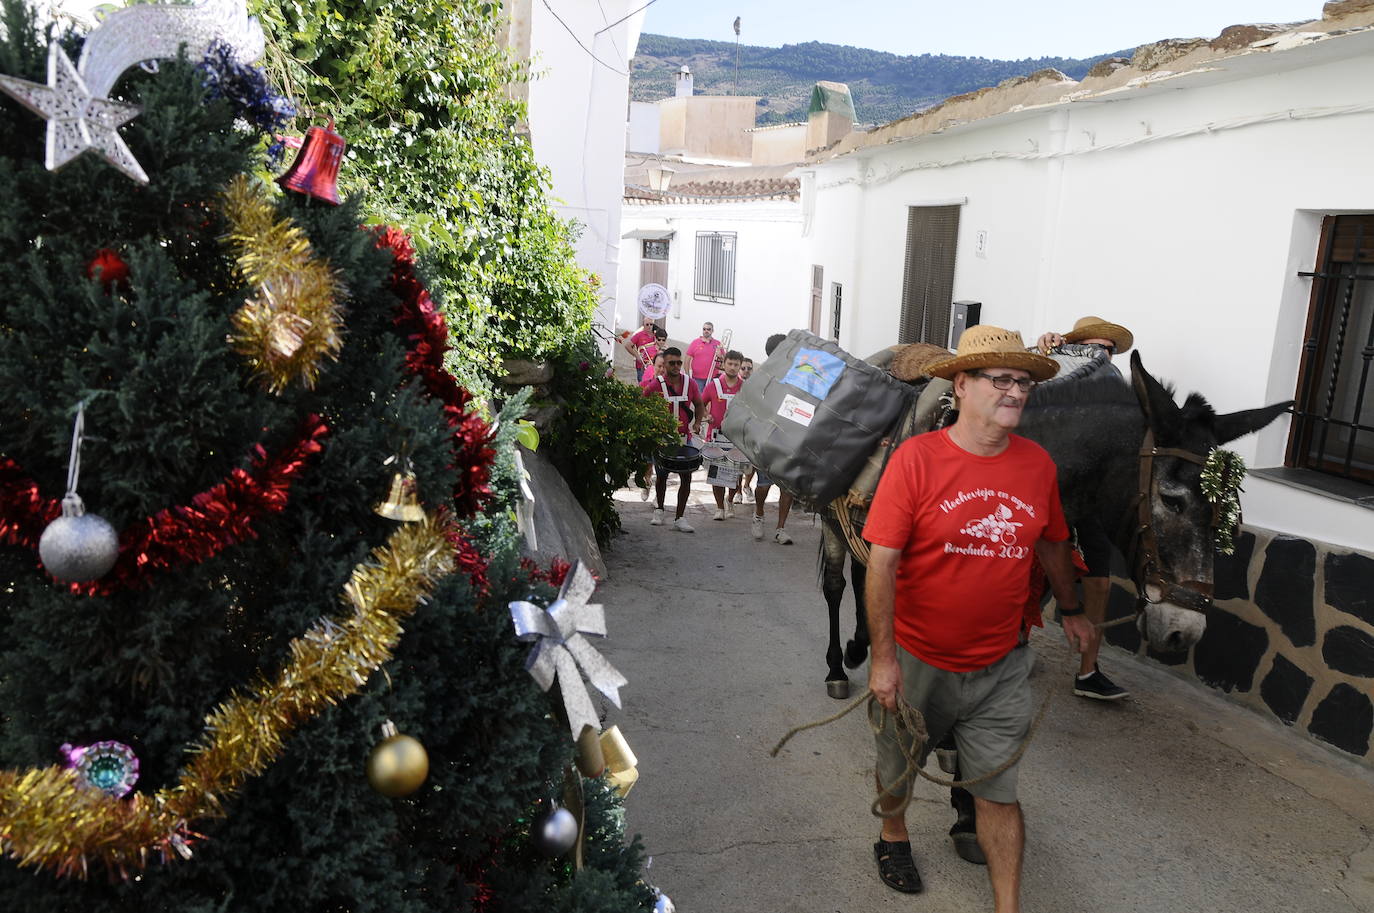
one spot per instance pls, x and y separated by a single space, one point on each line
626 16
584 48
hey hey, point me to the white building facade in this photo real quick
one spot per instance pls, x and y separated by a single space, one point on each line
740 265
579 54
1185 209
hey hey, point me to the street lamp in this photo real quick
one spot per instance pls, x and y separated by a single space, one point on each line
659 176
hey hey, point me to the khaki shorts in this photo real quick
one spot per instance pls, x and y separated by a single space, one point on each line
988 710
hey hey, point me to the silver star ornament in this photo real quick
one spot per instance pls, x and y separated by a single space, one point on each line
77 119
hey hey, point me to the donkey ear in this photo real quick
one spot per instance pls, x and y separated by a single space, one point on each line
1161 412
1238 424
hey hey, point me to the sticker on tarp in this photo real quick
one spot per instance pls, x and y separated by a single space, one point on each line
814 371
797 410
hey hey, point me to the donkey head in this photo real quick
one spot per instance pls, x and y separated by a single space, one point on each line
1180 514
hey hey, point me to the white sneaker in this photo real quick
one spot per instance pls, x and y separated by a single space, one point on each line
747 491
756 529
729 511
658 518
682 526
720 514
782 538
644 494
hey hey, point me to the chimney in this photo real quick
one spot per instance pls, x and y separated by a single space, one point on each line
831 115
684 82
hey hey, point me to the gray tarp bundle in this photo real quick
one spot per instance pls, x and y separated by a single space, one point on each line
811 415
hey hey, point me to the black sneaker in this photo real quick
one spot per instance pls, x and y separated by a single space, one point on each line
1098 687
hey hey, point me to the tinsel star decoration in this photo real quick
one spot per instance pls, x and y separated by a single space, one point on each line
77 118
559 634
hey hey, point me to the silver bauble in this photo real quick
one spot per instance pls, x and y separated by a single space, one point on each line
556 832
78 547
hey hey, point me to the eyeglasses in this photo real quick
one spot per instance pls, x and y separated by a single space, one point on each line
676 361
1004 381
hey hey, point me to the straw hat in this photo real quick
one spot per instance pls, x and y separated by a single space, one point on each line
912 361
1097 328
984 346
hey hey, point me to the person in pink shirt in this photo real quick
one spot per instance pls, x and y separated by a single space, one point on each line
649 352
684 401
716 400
645 336
702 351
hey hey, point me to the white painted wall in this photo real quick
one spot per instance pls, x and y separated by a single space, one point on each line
1194 243
772 272
577 105
642 130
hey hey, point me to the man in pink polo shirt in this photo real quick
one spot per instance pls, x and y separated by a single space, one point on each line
702 353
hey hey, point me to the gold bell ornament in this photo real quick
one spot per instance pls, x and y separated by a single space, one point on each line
622 770
403 502
398 763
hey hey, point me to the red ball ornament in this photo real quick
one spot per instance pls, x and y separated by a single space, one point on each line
109 268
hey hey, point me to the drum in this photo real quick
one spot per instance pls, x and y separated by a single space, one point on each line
725 466
685 458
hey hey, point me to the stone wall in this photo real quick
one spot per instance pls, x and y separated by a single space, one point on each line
1291 633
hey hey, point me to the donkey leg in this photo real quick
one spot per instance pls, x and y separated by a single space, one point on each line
964 833
856 650
832 585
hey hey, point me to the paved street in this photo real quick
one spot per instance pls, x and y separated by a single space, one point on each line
1174 800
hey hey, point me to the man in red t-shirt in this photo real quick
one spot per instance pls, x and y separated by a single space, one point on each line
720 391
684 400
955 521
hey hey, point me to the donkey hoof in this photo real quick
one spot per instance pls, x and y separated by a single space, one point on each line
838 689
855 653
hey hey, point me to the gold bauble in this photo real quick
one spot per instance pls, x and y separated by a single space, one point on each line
398 764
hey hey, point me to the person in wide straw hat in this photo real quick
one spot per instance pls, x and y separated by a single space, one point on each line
1090 331
1085 344
957 518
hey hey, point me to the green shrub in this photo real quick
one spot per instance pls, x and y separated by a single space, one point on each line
605 433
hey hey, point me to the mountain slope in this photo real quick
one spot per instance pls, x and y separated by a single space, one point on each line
885 86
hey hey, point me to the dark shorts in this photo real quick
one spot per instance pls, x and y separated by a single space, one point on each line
988 711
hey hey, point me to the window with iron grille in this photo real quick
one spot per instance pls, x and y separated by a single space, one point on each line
932 234
654 249
715 267
1333 418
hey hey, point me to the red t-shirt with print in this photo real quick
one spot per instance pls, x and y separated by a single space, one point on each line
966 526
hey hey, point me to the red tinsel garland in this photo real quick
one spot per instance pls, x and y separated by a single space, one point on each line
216 519
423 327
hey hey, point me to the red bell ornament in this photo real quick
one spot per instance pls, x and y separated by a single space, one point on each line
316 169
109 268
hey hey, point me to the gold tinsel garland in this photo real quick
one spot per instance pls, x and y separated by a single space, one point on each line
49 821
293 319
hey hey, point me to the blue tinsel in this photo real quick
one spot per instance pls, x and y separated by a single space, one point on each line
247 89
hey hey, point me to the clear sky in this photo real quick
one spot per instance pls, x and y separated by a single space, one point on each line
999 29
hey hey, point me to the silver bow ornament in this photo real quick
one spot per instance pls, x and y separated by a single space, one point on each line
559 634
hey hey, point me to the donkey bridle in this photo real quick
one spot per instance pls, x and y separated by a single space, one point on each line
1144 554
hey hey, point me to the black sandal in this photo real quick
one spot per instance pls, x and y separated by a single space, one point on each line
896 867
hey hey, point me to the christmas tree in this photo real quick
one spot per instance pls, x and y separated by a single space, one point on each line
252 374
